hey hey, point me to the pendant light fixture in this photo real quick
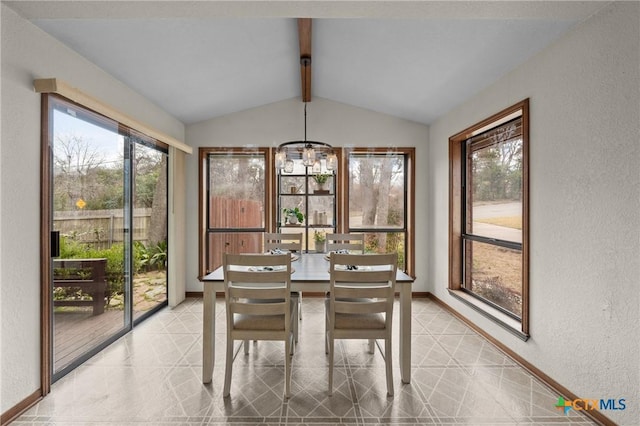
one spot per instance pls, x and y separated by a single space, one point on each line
309 151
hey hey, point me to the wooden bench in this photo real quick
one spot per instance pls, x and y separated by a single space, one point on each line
87 274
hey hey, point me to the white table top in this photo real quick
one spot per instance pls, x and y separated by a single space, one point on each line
311 267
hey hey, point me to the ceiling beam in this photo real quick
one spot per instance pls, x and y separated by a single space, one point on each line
304 36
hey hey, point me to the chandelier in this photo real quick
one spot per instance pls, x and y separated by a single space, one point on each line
311 152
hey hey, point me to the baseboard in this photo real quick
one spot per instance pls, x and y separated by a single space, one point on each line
594 415
12 413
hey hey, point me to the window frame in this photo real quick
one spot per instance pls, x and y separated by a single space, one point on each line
458 165
203 191
409 199
342 196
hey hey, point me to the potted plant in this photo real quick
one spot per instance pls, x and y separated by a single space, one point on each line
320 238
321 180
293 215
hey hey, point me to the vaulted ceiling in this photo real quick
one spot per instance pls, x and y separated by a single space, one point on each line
203 59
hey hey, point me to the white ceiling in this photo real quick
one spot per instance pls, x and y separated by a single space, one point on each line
204 59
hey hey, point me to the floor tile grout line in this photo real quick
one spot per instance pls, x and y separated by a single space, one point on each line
209 414
352 387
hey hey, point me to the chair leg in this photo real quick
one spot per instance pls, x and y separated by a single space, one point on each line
228 367
295 321
287 367
246 347
372 346
326 334
300 308
331 347
388 360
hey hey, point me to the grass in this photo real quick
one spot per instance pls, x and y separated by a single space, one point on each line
497 275
514 222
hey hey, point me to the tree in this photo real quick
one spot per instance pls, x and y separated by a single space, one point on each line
374 179
158 226
75 161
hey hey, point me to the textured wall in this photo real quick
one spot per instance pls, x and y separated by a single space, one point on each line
29 53
585 206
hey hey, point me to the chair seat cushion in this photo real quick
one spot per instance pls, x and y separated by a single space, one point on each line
360 321
258 322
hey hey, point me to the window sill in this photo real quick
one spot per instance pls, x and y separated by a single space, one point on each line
511 325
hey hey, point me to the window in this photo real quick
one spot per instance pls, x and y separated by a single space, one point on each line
489 216
380 199
239 201
233 188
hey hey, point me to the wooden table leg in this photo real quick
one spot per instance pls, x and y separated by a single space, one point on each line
405 333
208 333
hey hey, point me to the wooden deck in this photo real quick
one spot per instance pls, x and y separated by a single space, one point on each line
77 331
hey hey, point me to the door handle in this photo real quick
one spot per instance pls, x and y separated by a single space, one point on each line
55 243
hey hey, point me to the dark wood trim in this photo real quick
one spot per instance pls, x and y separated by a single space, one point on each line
12 413
410 152
202 203
455 213
342 172
270 183
46 308
410 261
203 152
595 415
525 215
456 163
304 38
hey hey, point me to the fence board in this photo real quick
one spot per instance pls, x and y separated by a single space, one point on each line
102 228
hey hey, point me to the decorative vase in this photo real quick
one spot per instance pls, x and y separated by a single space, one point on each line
319 246
293 220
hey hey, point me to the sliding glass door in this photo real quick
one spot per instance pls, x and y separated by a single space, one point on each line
150 245
108 216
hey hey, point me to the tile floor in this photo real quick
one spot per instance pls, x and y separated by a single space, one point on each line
152 376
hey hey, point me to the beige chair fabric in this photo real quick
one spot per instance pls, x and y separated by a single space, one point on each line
283 241
259 306
360 303
353 243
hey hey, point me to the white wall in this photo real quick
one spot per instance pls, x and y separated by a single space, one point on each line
29 53
585 206
327 121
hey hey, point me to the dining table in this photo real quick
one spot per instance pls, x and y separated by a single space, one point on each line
311 274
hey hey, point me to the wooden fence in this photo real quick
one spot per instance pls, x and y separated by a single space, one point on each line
234 213
102 228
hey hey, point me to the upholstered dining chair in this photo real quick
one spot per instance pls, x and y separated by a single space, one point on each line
258 305
352 243
360 303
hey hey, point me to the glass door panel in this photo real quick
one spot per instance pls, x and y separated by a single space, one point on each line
149 228
88 196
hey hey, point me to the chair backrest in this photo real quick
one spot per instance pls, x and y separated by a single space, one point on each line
363 284
282 241
351 242
250 280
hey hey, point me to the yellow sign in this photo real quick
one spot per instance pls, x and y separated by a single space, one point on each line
80 203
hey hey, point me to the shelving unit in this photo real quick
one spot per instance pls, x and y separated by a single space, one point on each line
299 189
